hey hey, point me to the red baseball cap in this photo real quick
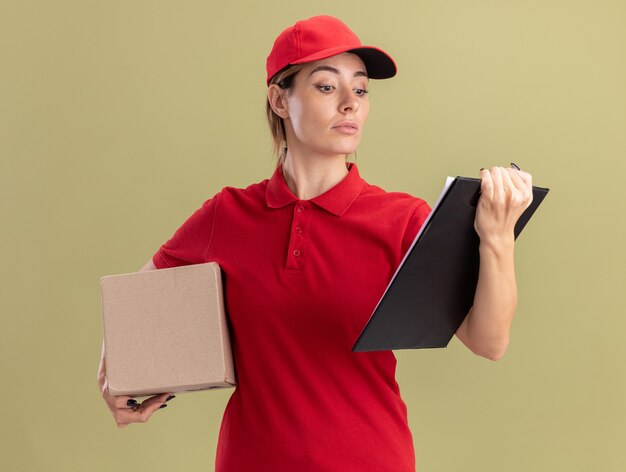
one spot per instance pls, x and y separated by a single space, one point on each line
320 37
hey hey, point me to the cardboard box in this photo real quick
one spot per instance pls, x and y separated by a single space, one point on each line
166 331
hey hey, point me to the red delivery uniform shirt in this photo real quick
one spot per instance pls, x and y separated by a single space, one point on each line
301 279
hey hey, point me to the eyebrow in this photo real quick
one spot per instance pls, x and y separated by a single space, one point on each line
358 73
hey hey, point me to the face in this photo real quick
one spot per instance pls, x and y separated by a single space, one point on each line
326 108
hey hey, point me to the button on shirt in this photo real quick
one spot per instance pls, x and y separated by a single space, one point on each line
301 279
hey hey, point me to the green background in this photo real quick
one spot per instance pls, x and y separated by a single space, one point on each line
118 119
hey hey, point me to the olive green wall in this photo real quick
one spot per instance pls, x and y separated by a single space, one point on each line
118 119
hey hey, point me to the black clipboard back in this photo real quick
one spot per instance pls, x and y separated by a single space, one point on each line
433 287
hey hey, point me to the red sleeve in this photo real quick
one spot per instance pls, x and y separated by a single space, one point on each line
420 213
190 243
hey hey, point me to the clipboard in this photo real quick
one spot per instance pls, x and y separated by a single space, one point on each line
433 287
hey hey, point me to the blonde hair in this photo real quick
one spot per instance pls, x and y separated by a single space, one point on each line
284 79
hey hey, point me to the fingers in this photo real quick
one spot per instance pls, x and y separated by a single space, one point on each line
508 184
526 177
506 193
115 402
518 178
159 400
492 185
142 413
498 184
507 181
126 414
486 183
123 401
515 178
125 408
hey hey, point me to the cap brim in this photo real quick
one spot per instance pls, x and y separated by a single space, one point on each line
378 63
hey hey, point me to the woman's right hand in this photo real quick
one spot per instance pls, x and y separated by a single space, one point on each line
124 408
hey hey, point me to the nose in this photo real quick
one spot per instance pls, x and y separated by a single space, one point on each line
348 101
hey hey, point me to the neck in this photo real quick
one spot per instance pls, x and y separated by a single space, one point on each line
308 178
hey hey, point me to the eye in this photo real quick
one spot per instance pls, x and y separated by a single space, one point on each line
325 88
361 92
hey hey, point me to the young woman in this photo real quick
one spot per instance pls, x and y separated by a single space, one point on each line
305 256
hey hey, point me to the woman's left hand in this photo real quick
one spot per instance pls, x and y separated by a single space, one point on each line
505 195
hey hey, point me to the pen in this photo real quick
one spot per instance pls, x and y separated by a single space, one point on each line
515 166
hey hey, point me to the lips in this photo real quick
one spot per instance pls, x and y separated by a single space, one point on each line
347 127
346 124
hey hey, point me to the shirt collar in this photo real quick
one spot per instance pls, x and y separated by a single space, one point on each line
335 200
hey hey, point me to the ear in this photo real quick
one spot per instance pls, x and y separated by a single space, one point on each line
278 100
